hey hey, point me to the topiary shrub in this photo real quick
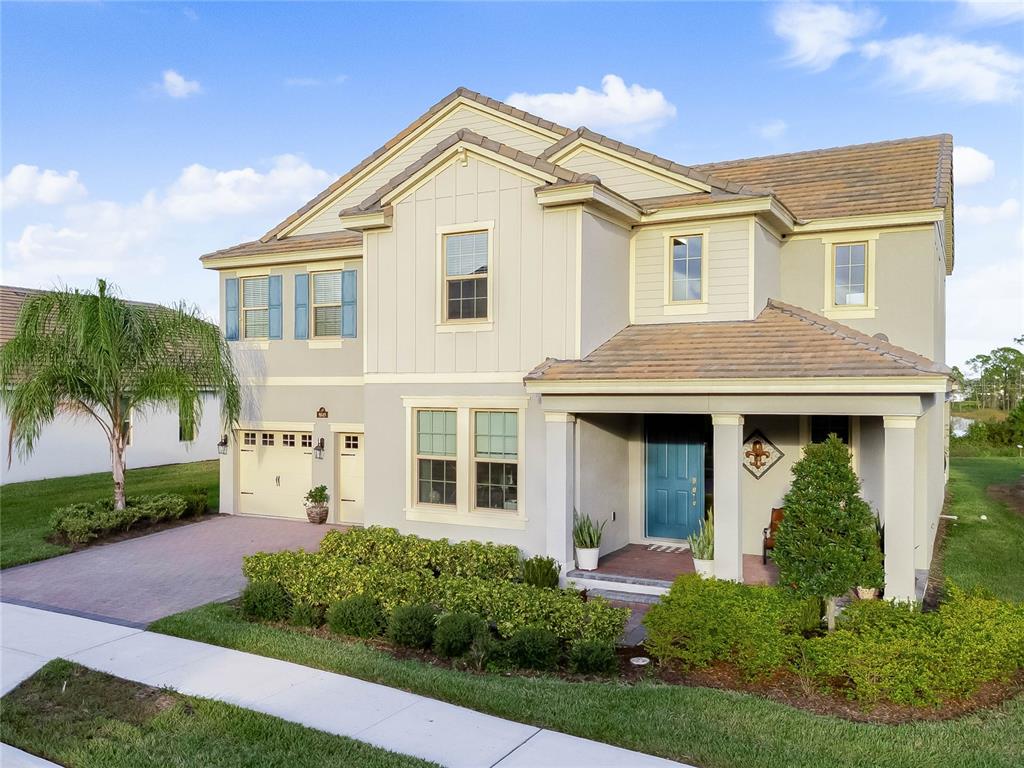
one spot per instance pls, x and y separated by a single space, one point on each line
701 621
593 657
358 616
456 632
412 625
266 600
541 572
80 523
827 543
306 615
533 648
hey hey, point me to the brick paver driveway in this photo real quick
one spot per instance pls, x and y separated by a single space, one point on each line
139 580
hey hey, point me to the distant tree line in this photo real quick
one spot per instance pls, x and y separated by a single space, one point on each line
996 378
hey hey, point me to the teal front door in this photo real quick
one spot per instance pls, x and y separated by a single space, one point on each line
675 478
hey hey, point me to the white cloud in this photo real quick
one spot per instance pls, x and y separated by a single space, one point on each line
971 166
771 129
27 184
966 71
177 87
819 34
993 11
987 214
628 108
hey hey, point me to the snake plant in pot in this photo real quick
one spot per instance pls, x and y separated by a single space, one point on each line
586 535
702 546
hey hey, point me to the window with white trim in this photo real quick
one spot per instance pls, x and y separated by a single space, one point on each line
465 276
256 307
288 440
249 438
436 457
687 268
326 304
306 440
496 459
849 274
267 438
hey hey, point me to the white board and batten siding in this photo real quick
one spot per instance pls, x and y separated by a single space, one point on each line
463 117
728 264
531 282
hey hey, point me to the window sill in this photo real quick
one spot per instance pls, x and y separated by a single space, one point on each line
515 522
689 308
849 313
464 327
328 343
252 344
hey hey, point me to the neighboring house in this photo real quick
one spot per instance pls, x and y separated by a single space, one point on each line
493 321
77 446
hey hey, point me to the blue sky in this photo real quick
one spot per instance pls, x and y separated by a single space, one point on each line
136 137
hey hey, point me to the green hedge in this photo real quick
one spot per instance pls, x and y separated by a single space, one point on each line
81 523
386 546
424 574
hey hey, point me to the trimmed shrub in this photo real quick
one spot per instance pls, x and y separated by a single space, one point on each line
888 652
700 621
197 501
306 615
456 632
541 572
266 600
358 616
593 657
412 625
79 524
533 648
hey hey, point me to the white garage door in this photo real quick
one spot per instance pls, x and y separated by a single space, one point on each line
275 470
350 478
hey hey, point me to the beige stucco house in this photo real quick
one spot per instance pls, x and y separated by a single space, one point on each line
494 320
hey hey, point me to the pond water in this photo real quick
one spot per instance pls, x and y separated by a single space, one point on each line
959 425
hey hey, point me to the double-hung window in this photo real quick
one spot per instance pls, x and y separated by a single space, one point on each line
849 275
687 268
256 307
466 264
436 456
326 304
496 459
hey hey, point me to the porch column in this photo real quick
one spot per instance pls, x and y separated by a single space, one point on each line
560 470
898 506
728 447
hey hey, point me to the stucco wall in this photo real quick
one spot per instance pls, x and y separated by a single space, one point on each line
602 466
605 277
70 447
767 267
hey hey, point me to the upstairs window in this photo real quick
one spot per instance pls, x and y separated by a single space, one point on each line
849 275
256 307
687 254
466 276
326 304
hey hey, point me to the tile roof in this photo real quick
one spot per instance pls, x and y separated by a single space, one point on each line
315 242
782 342
464 93
882 177
469 137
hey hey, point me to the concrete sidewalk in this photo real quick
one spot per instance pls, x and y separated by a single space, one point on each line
385 717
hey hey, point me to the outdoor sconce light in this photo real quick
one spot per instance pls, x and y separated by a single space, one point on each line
222 446
318 449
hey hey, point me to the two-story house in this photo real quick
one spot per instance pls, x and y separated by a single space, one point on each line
493 321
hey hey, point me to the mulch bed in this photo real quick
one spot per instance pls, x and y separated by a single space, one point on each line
783 687
140 529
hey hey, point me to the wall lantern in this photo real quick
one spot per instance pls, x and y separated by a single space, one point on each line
222 446
318 449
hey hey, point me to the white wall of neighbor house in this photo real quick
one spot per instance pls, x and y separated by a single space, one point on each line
531 285
78 446
463 116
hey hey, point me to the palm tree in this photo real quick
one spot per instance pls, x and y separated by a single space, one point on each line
96 355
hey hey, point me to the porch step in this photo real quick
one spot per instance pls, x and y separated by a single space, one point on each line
625 597
632 585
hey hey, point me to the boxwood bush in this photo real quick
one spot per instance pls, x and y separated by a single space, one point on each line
533 648
593 657
266 600
358 616
456 632
80 523
412 625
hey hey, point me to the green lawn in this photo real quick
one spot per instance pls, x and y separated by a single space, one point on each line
25 508
987 553
103 721
708 728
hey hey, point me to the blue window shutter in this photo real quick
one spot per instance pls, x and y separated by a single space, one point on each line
275 307
302 306
231 309
348 303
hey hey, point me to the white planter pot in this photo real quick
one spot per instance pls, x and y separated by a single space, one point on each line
586 559
705 568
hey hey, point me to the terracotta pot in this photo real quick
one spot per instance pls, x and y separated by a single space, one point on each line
586 559
705 568
867 593
317 513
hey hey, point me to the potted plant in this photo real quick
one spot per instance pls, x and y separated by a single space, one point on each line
316 504
586 535
702 546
